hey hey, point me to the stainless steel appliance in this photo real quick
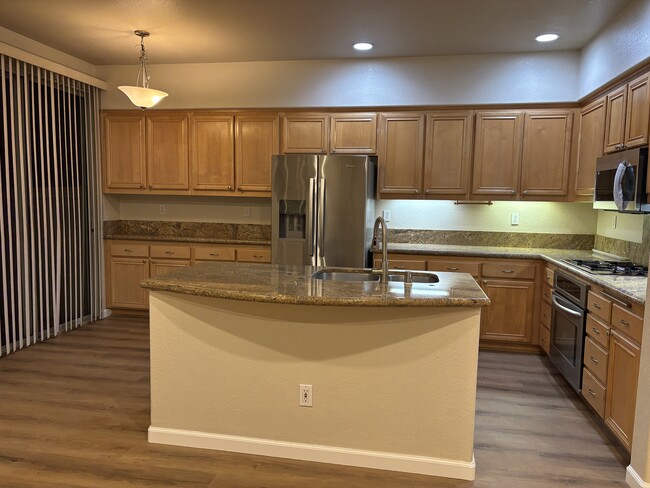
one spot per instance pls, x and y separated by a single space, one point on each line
323 209
621 181
568 327
624 268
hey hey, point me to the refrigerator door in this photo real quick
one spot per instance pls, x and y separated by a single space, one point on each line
346 210
293 209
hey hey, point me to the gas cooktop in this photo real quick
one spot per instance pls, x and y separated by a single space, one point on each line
626 268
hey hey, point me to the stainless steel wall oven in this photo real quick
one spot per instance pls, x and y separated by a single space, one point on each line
568 327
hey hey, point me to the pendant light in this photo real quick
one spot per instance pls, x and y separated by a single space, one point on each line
141 95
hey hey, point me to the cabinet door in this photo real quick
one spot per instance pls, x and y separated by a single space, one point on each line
590 146
212 152
167 152
304 133
401 151
124 287
509 317
256 139
615 105
638 112
353 133
159 267
622 376
546 158
124 152
447 157
497 154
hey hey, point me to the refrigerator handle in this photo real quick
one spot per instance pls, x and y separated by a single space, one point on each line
321 218
310 231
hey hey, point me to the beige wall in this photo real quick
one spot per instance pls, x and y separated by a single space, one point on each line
391 380
629 227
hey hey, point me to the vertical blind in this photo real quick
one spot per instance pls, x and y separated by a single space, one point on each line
50 233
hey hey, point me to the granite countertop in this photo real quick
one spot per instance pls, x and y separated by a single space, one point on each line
189 239
631 287
273 283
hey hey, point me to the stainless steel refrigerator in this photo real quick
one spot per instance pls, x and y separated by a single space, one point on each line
323 209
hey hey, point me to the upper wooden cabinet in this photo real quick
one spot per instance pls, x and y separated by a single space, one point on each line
337 133
125 164
447 154
146 153
497 154
401 150
627 115
256 137
590 147
212 152
305 133
546 156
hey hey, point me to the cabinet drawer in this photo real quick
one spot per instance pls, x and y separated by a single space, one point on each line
599 306
549 274
596 360
253 255
132 250
627 323
403 264
546 293
593 392
170 251
214 253
598 331
455 267
545 339
509 270
546 315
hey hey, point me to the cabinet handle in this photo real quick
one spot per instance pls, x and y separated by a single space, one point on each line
507 271
128 250
257 256
525 192
593 359
169 252
144 260
399 267
215 254
239 188
595 331
596 306
625 323
150 187
141 186
591 392
229 188
513 192
153 262
452 269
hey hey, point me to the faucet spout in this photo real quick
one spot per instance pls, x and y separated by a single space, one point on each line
379 222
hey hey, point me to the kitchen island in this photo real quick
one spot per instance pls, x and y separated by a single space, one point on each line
393 368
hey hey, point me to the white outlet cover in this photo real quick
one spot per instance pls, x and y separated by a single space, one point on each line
387 215
306 396
514 218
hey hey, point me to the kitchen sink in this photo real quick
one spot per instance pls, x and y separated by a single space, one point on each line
361 275
415 278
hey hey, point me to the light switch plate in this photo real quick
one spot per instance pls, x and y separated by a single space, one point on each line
387 214
514 218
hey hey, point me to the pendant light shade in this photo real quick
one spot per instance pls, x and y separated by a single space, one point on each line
141 95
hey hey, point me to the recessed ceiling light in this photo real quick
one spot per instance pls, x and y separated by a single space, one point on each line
362 46
546 37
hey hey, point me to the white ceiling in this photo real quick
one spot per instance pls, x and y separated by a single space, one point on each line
193 31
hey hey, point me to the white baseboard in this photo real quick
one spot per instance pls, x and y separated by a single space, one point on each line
633 479
446 468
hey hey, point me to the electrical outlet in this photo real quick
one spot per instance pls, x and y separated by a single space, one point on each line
162 210
247 211
614 219
387 214
514 218
306 397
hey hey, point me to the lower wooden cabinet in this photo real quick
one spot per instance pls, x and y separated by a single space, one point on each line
125 275
509 317
159 267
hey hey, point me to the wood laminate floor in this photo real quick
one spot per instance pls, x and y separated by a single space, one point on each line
74 412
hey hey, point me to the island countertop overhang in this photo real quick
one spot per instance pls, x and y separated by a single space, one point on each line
271 283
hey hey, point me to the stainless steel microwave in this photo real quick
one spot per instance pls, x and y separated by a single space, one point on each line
621 181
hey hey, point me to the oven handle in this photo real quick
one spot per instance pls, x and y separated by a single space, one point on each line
565 309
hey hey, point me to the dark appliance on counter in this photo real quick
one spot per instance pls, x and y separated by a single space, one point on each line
622 268
322 209
569 313
621 181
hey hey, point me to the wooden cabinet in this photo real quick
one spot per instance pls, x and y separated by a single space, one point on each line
167 152
590 147
353 133
254 255
125 277
305 133
125 164
627 115
497 154
401 151
212 152
213 253
256 139
546 157
509 317
622 377
447 154
159 267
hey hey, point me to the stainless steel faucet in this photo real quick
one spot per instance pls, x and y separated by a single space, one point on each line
379 222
